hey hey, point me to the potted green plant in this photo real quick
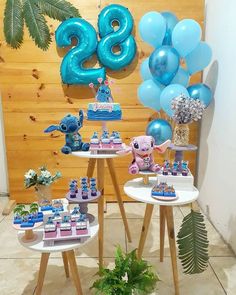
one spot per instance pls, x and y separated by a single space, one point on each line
130 276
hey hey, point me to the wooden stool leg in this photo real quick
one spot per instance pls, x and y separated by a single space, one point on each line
91 167
171 234
111 168
162 232
74 271
42 271
146 223
65 262
100 180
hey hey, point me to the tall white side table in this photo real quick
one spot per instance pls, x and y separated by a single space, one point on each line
100 160
141 192
68 254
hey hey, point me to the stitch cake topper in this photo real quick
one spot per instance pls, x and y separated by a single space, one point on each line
104 92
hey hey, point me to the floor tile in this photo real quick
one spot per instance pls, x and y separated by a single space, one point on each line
225 269
204 284
133 210
152 245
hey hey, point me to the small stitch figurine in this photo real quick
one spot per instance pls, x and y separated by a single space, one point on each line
142 148
70 125
104 92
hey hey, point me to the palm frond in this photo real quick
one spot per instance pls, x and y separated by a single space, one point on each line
58 9
36 23
193 243
13 23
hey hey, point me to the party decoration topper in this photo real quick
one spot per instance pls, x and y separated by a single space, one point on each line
142 148
72 69
104 92
70 125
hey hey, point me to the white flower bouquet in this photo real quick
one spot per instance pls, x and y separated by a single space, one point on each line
31 178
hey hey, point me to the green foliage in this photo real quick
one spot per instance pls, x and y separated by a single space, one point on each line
58 9
130 276
193 243
18 209
32 12
13 23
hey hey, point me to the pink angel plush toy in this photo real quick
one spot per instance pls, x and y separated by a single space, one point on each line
142 148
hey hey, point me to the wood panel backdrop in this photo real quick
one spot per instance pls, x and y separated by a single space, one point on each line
33 98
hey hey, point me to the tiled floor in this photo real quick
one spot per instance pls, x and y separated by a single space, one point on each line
19 266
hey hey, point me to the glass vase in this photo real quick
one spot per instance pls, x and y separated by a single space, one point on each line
181 135
43 194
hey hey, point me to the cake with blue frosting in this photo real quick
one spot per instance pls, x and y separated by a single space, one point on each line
104 109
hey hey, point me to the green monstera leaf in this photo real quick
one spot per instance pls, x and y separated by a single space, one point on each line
193 243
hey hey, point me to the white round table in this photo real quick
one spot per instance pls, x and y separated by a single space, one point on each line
99 159
65 247
141 192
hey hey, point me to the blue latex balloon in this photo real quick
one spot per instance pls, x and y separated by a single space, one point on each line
152 28
121 37
160 130
72 70
149 94
168 94
164 64
171 21
145 71
181 77
199 58
185 36
202 92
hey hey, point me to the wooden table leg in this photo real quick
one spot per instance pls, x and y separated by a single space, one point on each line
91 167
162 232
42 270
171 235
100 181
146 223
111 168
65 262
74 271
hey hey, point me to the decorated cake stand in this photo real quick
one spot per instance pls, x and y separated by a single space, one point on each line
83 203
28 236
179 150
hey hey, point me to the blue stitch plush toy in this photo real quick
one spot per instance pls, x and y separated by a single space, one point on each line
70 125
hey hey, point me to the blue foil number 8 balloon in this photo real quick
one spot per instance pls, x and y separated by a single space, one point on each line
111 37
72 70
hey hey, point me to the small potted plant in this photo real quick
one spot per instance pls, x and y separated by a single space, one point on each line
42 183
130 276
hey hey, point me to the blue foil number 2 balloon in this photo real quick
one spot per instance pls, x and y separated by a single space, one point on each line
111 37
72 70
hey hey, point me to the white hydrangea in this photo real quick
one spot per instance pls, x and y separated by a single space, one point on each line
45 174
30 174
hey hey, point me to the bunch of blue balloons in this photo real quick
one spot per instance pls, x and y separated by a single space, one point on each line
176 43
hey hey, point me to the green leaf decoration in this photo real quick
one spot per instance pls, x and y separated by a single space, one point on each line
36 24
58 9
129 276
32 13
13 23
193 243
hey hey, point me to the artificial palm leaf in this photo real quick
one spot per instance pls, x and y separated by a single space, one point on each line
13 23
36 24
193 243
58 9
33 11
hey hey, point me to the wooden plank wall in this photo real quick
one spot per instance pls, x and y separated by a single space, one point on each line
33 98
